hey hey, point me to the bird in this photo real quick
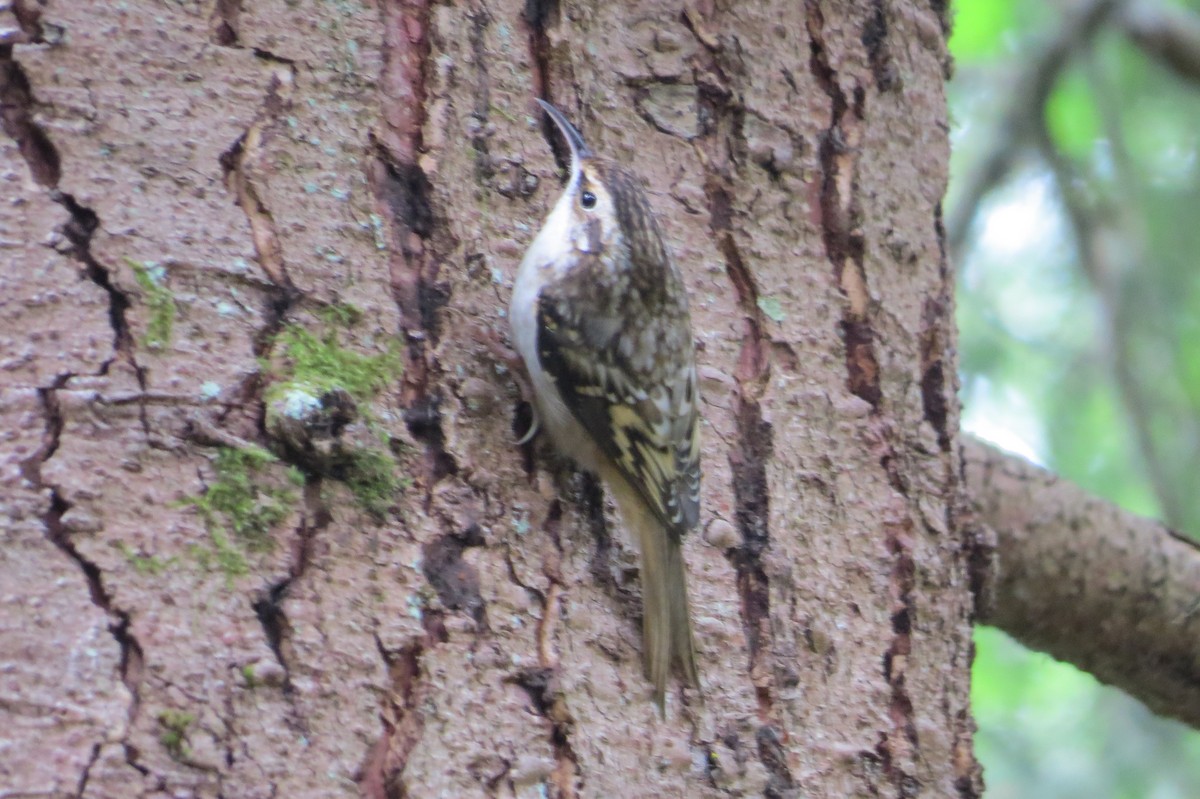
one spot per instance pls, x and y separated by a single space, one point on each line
599 315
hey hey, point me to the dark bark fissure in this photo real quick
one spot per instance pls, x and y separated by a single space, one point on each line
86 775
226 30
781 784
976 549
937 320
78 230
424 422
16 119
934 400
541 682
844 247
538 15
132 657
381 775
749 456
843 243
404 196
45 165
485 169
455 580
875 40
723 135
903 578
268 608
548 699
268 605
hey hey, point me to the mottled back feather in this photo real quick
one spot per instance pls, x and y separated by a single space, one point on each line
629 378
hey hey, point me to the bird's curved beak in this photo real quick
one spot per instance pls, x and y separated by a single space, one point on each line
579 148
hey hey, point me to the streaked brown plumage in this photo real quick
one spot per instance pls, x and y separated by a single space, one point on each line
600 316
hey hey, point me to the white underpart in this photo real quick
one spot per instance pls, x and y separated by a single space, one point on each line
543 263
537 269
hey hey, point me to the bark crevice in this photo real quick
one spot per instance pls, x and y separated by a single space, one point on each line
268 605
937 320
44 162
548 699
751 451
455 580
86 774
723 144
45 166
225 22
840 211
538 15
404 196
485 168
841 215
875 39
381 775
131 660
78 231
16 118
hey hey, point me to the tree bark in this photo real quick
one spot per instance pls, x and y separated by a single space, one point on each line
238 227
1107 591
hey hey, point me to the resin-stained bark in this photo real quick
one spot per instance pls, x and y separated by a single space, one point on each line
371 173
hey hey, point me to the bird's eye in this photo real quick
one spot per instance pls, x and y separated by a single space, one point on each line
588 200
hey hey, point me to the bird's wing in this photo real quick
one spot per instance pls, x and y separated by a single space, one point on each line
644 419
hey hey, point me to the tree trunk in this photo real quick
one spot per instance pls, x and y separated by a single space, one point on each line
268 529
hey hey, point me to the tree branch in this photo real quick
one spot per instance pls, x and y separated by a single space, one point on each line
1115 594
1109 249
1024 113
1171 36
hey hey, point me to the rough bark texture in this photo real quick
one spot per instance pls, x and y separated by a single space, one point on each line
1110 592
245 170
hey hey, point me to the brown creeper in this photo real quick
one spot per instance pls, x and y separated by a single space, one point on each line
599 314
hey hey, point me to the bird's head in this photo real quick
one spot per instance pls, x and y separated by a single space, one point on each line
603 206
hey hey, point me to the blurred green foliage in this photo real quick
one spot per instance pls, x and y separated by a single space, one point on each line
1072 115
1039 345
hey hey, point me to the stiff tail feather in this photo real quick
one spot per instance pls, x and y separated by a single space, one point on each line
666 617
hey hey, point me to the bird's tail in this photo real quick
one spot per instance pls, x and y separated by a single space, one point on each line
666 618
